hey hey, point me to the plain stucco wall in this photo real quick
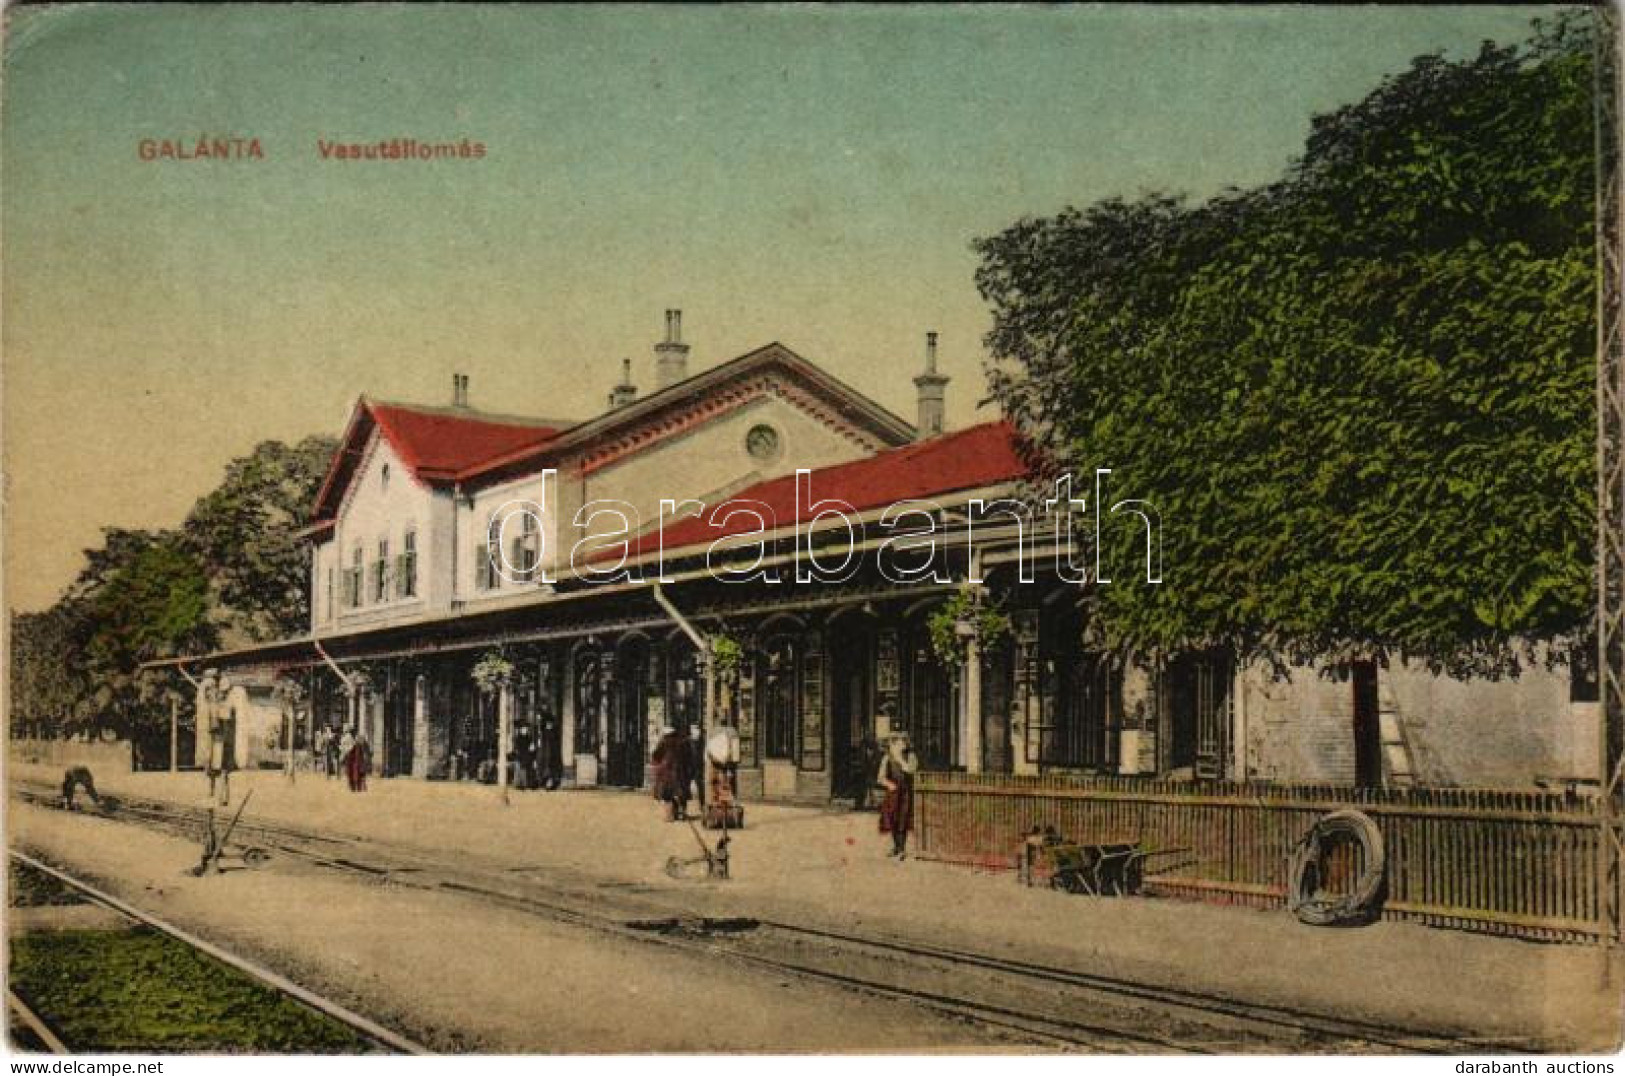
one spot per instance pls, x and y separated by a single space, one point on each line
1480 733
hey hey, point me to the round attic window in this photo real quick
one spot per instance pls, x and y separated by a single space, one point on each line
762 442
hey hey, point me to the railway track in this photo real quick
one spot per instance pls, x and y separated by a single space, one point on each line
1038 1004
35 1030
378 1037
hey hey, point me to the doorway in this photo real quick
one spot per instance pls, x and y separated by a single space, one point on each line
852 732
628 716
1367 725
930 700
400 708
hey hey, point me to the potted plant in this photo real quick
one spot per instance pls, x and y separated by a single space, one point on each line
960 619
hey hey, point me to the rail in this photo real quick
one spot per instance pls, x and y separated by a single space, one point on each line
283 985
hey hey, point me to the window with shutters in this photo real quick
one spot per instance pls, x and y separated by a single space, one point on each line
525 551
380 572
485 574
406 567
352 580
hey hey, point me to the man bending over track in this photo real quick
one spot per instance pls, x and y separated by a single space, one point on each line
75 778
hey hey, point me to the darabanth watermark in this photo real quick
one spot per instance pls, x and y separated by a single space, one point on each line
829 536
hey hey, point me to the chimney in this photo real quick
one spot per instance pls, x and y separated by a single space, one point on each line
928 389
625 392
671 354
459 390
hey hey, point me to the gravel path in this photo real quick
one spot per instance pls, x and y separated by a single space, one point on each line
461 976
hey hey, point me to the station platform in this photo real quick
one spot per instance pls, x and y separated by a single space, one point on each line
829 867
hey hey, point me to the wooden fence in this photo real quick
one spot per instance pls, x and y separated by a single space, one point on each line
1528 864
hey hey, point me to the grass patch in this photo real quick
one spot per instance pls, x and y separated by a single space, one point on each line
142 991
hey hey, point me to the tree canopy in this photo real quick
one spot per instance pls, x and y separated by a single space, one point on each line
234 572
1360 397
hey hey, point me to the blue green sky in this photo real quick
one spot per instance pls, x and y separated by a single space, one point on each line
804 174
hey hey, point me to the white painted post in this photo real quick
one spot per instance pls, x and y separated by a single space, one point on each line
420 726
1238 733
708 700
504 734
972 691
288 713
567 714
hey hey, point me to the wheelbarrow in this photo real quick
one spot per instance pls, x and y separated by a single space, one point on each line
1106 869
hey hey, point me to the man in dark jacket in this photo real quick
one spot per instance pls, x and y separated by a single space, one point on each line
524 756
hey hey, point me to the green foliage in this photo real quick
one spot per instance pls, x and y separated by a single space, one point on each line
492 672
726 653
987 624
1360 398
235 572
247 532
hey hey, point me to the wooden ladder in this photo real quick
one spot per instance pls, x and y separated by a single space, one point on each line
1398 756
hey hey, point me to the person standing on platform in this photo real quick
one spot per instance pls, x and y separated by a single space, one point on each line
524 756
866 760
319 748
346 752
722 751
222 728
696 766
360 762
671 776
549 767
896 776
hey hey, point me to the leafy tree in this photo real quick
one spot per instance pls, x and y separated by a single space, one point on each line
1360 397
247 533
236 571
46 680
156 605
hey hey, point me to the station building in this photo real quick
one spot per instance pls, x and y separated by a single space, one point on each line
448 539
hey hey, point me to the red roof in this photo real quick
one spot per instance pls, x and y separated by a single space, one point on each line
435 443
980 456
438 444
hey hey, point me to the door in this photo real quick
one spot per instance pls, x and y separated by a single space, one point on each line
929 710
398 721
777 681
549 728
588 701
628 716
471 749
1198 700
851 712
998 675
1367 726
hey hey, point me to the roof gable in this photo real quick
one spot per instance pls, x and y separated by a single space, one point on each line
770 369
459 444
